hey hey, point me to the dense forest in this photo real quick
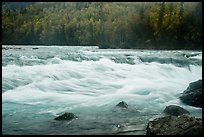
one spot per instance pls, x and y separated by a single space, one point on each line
139 25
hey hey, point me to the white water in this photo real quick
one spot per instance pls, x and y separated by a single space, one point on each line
90 89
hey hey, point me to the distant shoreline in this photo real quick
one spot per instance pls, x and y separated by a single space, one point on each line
9 45
41 45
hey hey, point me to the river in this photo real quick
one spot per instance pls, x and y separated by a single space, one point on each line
41 82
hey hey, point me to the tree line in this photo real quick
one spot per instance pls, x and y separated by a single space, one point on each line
142 25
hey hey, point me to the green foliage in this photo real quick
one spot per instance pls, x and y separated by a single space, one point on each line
146 25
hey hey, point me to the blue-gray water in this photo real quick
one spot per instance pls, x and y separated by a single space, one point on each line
40 84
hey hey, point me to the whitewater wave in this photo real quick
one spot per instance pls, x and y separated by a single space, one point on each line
40 57
94 80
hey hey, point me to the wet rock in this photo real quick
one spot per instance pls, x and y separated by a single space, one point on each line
193 94
175 110
35 48
66 116
171 125
122 104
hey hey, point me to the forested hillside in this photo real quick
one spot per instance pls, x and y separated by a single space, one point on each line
144 25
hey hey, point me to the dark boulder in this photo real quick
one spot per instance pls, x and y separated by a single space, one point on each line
171 125
175 110
66 116
122 104
35 48
193 94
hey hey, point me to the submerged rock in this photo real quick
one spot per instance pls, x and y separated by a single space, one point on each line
122 104
171 125
66 116
193 94
175 110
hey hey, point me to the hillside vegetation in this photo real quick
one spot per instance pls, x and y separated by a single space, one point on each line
143 25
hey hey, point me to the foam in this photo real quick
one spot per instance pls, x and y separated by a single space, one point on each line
96 84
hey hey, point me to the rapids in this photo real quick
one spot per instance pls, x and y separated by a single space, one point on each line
40 84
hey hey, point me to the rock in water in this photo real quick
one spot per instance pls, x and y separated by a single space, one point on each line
35 48
122 104
171 125
175 110
66 116
193 94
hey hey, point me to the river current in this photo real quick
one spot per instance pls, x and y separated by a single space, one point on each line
41 82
